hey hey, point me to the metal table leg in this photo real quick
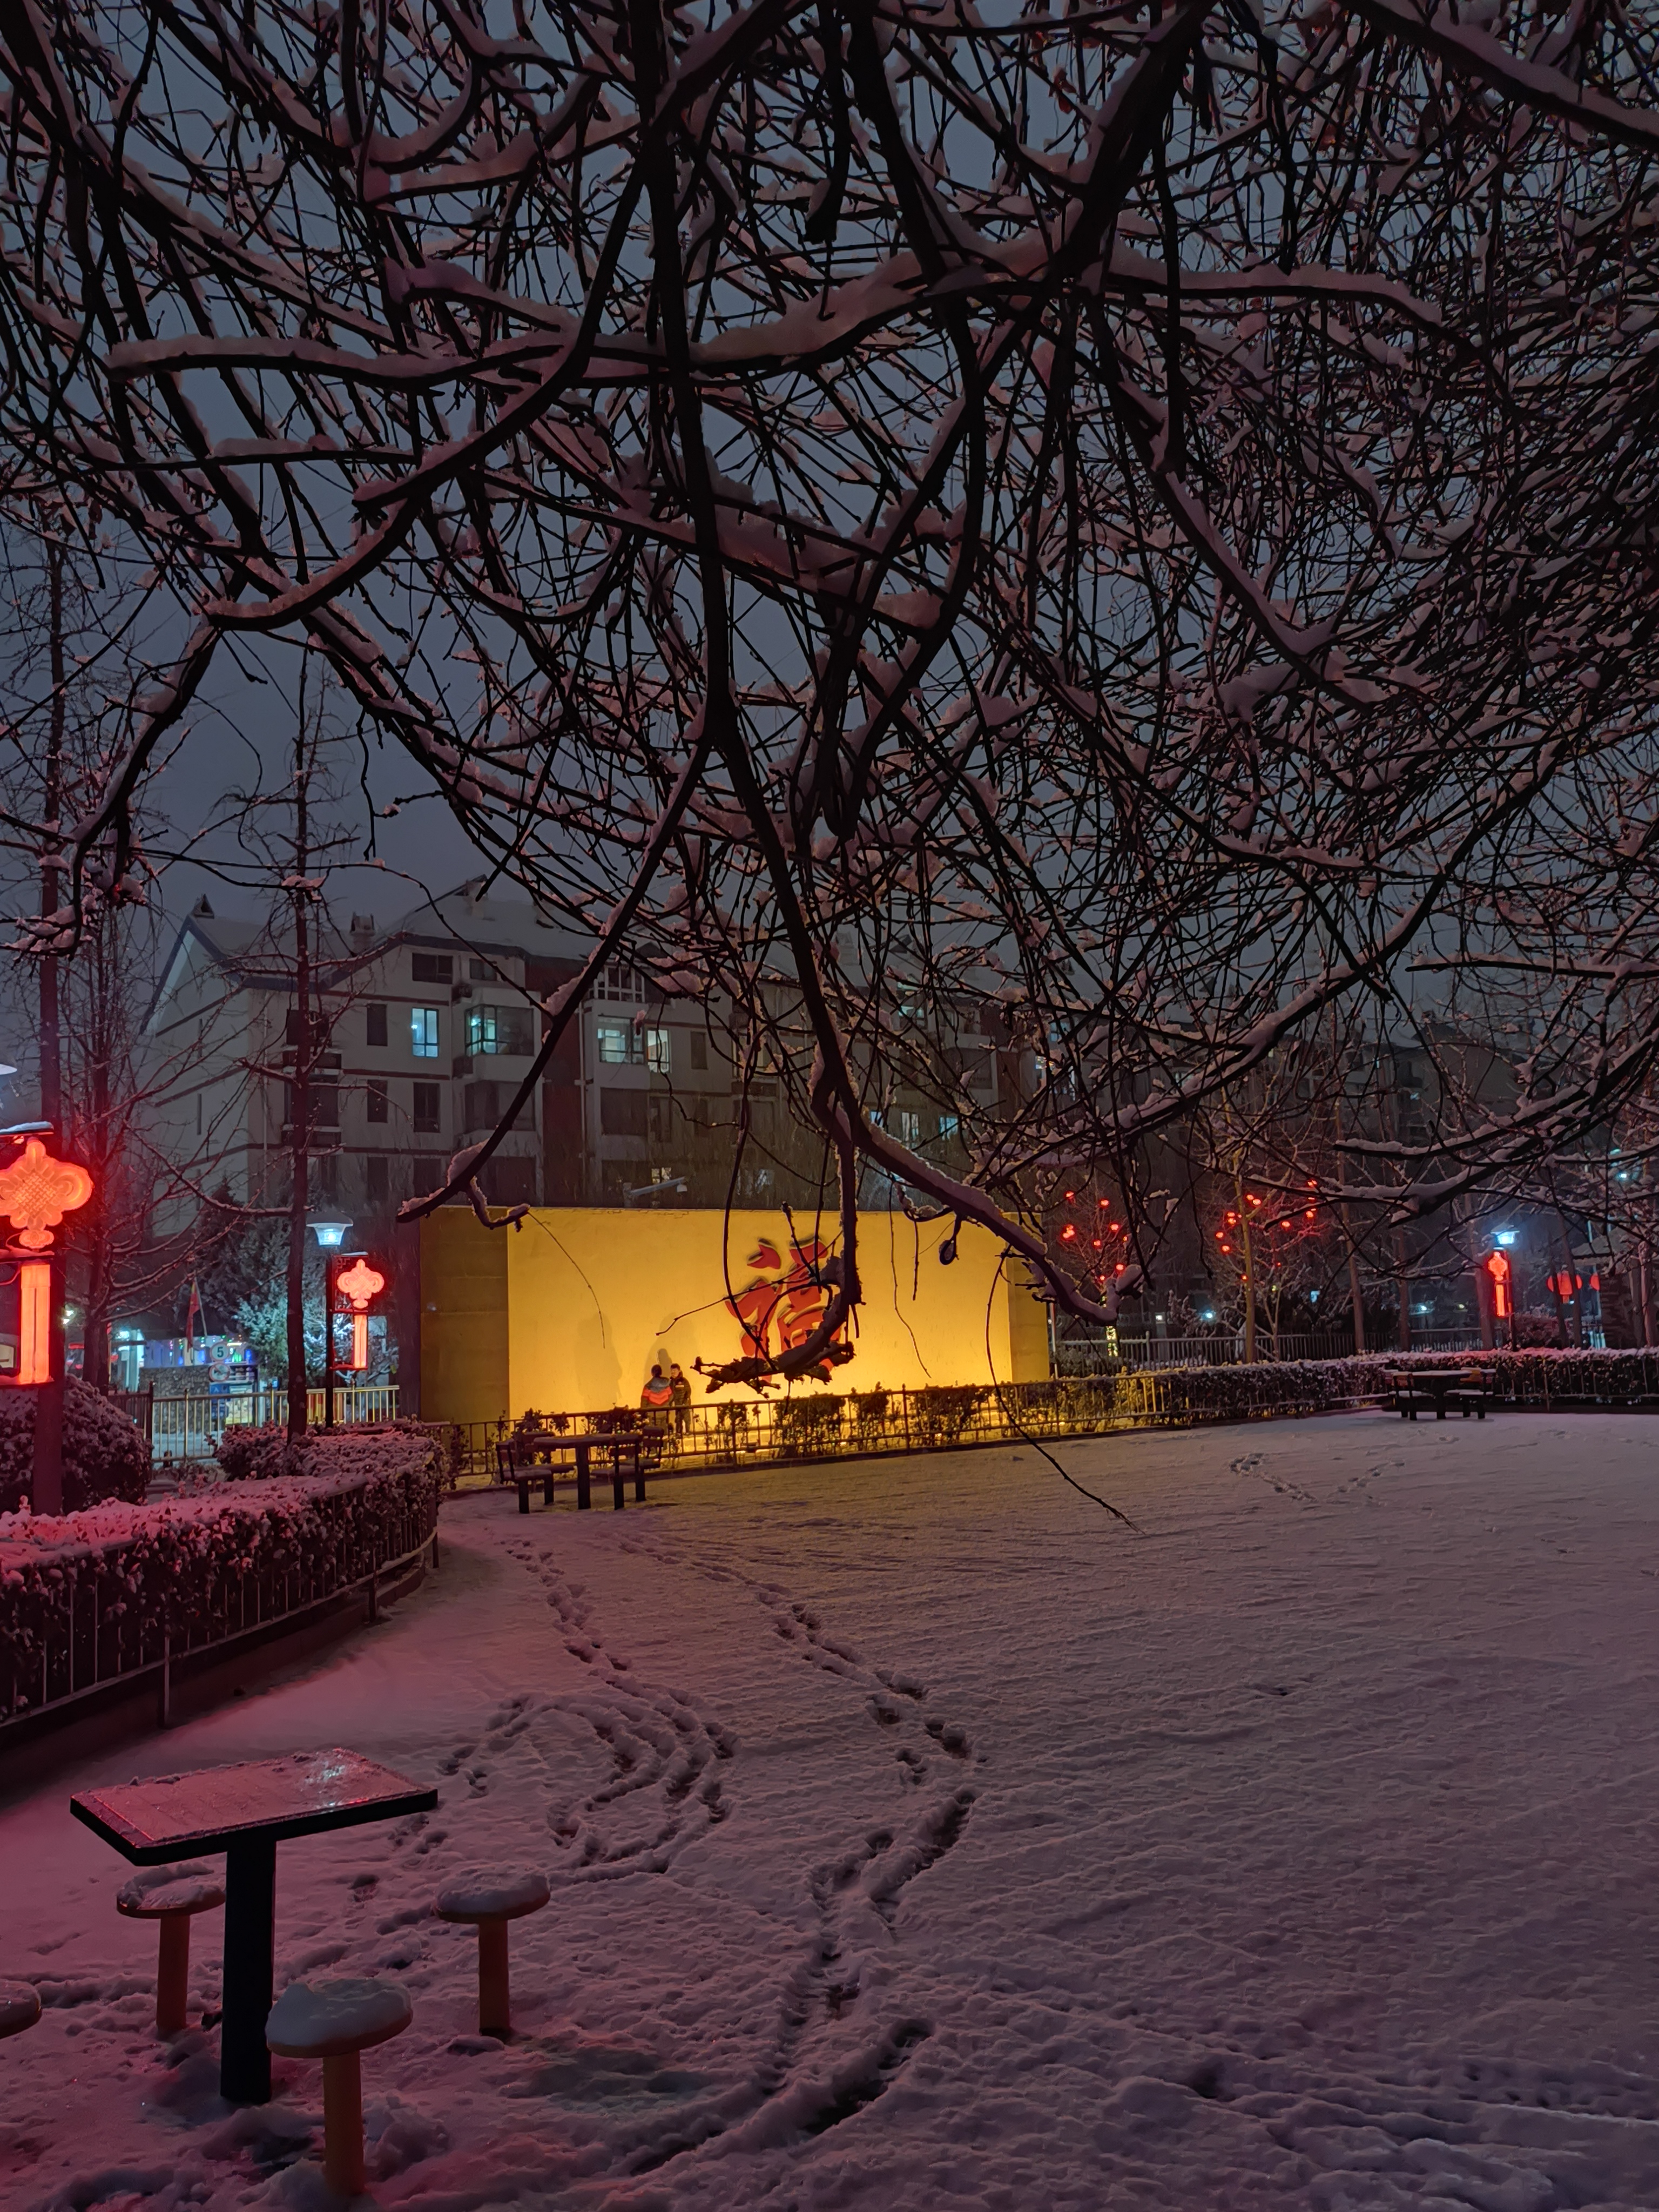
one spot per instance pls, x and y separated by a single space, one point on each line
250 1941
583 1491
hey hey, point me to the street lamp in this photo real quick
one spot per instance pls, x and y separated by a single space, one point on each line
329 1236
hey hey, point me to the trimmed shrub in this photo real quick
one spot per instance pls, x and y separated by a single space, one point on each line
196 1569
807 1426
247 1454
262 1454
1532 1376
104 1455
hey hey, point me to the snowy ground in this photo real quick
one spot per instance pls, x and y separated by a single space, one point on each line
919 1838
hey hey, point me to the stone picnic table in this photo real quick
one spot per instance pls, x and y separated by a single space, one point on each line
246 1811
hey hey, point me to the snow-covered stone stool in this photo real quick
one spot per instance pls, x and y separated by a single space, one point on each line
20 2007
333 2021
172 1895
489 1900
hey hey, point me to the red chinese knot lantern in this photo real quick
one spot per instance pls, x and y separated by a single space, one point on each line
36 1191
361 1284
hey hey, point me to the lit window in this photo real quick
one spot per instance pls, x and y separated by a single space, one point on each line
618 1047
499 1028
949 1124
658 1051
423 1032
909 1126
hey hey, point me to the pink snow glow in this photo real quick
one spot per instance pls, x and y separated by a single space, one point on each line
919 1838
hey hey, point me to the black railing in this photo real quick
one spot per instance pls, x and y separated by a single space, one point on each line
774 1432
80 1619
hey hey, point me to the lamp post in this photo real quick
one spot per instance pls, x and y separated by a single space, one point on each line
329 1236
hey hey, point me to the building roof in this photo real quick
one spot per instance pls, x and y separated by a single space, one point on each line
258 956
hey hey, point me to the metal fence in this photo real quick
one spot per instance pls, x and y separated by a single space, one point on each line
1079 1352
189 1426
696 1438
97 1634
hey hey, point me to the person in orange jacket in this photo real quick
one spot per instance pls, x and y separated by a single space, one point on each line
656 1398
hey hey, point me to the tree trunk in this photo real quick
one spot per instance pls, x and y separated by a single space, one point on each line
1562 1289
299 1105
1354 1291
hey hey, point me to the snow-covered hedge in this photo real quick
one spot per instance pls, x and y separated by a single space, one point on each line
89 1597
1269 1386
1533 1375
249 1454
1527 1377
246 1453
104 1455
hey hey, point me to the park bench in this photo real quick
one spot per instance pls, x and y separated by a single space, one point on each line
535 1457
543 1455
1471 1390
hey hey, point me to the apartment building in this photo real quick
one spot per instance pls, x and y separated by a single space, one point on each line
430 1026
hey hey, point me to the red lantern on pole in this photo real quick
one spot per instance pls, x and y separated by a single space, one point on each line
1497 1265
36 1191
361 1284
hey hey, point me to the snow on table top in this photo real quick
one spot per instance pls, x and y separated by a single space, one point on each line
919 1838
306 1791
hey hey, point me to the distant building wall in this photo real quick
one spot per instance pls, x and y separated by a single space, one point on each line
464 1299
568 1313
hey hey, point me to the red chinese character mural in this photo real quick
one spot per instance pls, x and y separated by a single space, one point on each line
781 1306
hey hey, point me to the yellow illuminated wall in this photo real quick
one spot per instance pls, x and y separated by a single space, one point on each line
568 1313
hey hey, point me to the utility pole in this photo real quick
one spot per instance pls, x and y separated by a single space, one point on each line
46 1486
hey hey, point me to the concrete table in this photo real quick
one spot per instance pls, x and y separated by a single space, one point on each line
246 1812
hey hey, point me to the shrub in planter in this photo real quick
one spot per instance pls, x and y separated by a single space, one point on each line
247 1454
196 1569
940 1415
104 1455
807 1425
